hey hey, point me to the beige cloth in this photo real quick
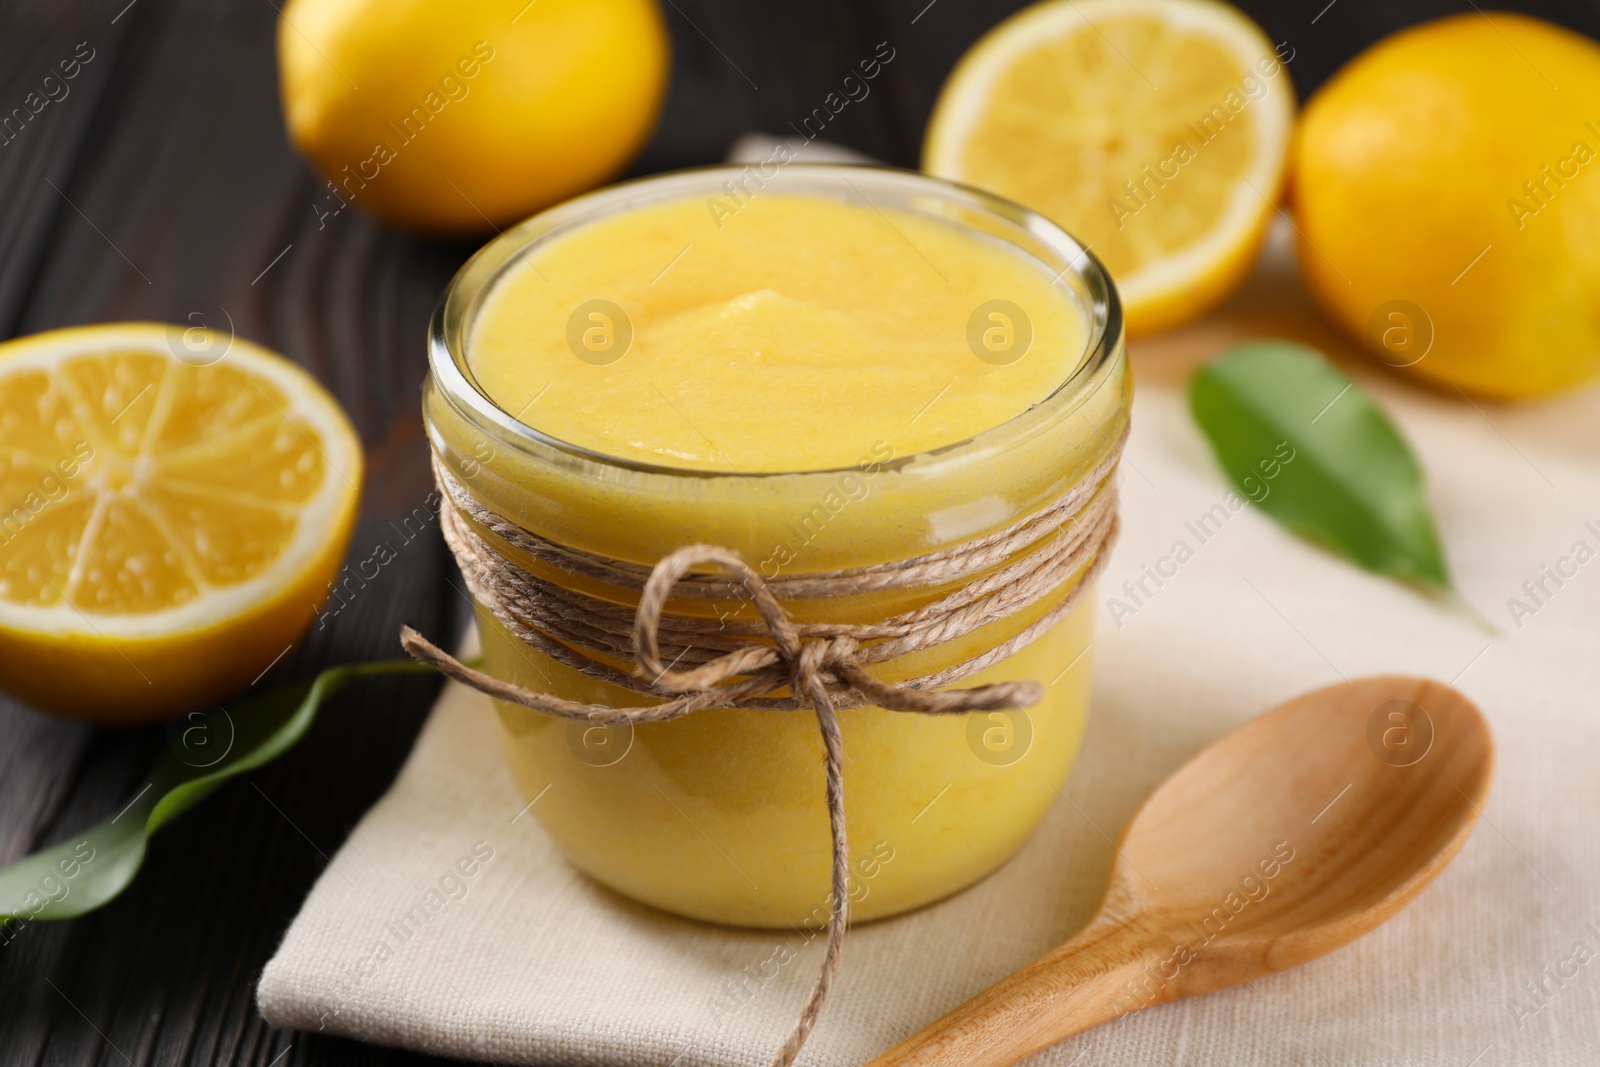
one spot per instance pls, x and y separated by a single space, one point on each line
535 964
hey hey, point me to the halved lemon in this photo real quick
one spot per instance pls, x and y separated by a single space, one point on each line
1154 131
174 504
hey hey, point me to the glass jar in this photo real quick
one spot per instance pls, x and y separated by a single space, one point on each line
721 815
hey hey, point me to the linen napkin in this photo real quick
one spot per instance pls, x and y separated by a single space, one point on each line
449 923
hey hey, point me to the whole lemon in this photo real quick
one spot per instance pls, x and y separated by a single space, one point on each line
1447 193
458 115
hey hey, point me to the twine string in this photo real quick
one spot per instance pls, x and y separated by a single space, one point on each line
738 664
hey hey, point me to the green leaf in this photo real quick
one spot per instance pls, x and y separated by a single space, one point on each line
1308 446
204 750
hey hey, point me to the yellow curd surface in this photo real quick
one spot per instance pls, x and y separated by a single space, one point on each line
798 379
846 322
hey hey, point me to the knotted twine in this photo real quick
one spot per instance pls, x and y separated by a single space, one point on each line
735 664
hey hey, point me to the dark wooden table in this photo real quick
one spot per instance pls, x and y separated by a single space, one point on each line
162 187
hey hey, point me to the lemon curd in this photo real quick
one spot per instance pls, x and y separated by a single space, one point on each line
850 367
852 322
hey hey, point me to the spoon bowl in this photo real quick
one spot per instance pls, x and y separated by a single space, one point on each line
1284 840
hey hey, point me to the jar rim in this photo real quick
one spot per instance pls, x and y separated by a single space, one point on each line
453 316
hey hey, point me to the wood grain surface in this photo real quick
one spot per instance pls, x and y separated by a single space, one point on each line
162 187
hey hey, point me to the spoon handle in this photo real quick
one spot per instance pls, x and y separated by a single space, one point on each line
1098 975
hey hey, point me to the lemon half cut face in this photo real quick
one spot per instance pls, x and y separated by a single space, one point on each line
174 503
1155 131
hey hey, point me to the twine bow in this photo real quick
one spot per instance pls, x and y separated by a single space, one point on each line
823 665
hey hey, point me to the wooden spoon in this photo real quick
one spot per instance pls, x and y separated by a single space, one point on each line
1286 839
